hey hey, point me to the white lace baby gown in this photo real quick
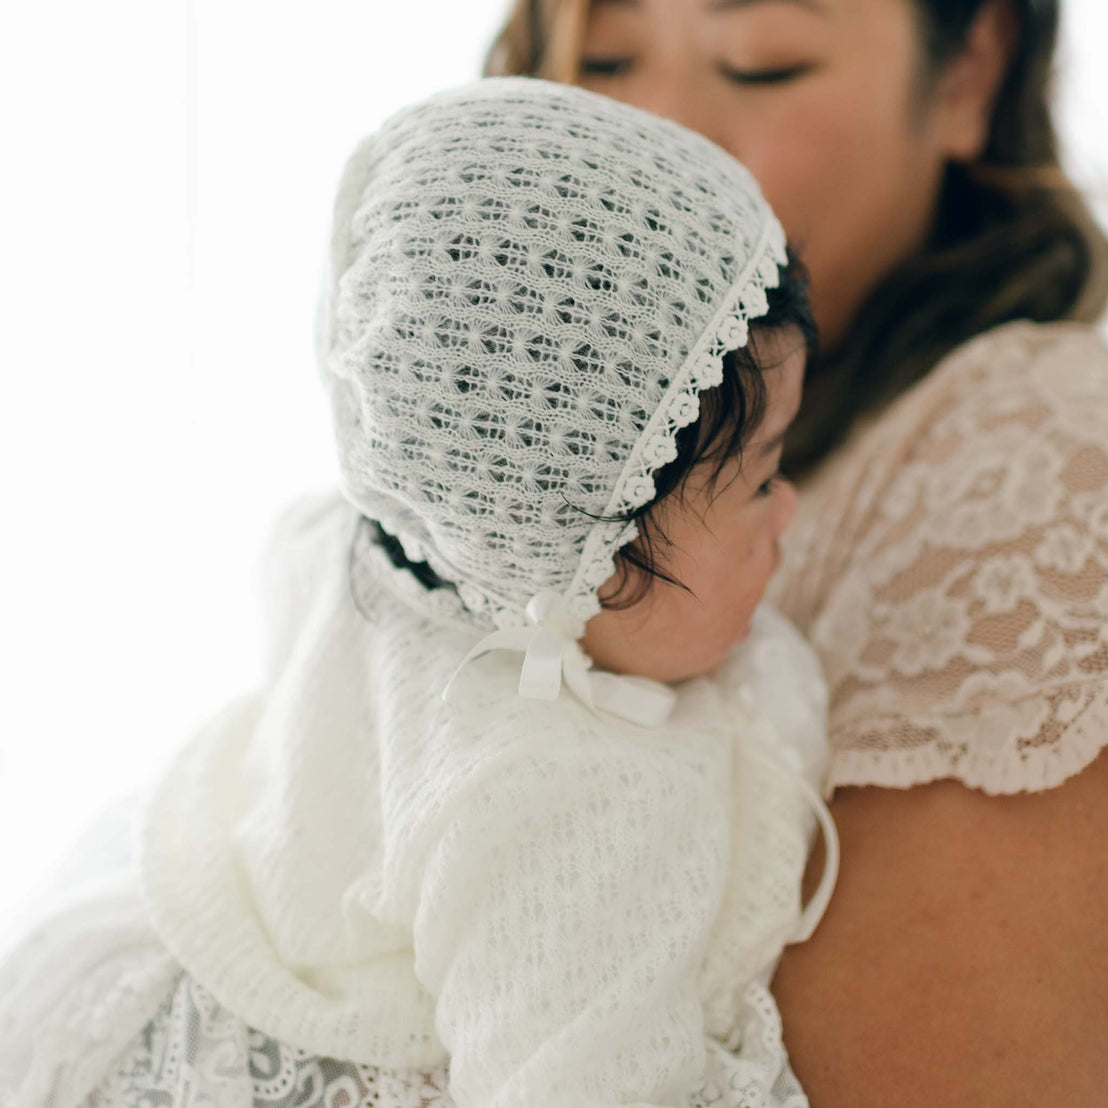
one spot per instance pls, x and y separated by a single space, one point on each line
194 1052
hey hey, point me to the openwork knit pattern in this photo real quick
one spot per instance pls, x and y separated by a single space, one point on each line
532 286
391 896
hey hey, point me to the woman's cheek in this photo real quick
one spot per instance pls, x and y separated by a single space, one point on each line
802 178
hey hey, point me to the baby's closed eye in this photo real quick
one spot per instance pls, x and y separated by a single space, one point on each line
766 487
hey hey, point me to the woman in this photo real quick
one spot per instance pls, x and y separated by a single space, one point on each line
951 557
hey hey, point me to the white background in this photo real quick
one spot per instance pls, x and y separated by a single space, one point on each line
169 169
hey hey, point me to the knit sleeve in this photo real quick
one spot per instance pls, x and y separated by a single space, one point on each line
567 890
963 619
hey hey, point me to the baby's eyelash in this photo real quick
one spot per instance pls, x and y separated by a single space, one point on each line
766 487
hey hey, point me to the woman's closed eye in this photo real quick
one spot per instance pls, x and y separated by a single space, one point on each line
771 75
605 67
774 75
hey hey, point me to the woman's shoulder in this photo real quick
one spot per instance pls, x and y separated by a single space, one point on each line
1023 387
1023 393
1065 363
1027 342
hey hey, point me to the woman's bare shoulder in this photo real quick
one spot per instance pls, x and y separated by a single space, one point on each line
964 957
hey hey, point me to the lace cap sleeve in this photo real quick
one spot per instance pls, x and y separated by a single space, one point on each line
957 572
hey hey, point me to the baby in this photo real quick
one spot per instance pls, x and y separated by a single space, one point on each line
520 815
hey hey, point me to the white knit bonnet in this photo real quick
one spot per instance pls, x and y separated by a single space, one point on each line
531 285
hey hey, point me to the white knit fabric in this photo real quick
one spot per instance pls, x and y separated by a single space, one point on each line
532 284
542 894
566 910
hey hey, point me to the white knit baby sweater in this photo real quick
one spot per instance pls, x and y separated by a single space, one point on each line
569 908
563 903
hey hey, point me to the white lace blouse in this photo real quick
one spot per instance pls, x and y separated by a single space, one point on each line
950 566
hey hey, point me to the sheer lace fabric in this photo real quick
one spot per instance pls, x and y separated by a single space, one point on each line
950 565
194 1053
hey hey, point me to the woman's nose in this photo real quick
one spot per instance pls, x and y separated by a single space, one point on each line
680 93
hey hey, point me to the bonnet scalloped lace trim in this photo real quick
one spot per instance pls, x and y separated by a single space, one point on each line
951 568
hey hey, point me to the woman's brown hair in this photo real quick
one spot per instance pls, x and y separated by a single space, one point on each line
1013 238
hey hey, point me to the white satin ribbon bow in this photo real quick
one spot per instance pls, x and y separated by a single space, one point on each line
551 653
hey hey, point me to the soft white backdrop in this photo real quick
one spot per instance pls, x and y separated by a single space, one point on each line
168 177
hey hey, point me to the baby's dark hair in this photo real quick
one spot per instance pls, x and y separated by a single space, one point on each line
729 414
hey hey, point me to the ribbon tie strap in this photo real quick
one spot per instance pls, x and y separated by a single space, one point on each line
551 653
817 905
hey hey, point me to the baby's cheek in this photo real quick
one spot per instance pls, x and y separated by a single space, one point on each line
727 603
748 577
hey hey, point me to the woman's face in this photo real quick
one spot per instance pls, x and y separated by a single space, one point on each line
819 98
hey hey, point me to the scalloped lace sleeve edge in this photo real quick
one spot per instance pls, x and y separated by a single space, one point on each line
1031 769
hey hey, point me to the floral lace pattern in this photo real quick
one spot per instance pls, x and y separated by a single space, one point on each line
195 1054
950 565
73 991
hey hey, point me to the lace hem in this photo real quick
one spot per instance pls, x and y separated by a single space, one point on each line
72 995
194 1053
1024 767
